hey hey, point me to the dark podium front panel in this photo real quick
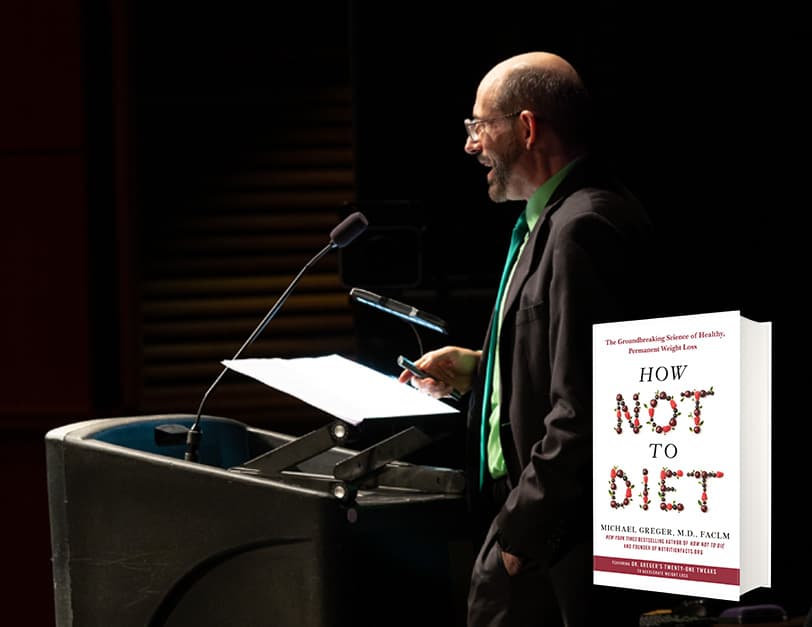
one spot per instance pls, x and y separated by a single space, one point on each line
142 538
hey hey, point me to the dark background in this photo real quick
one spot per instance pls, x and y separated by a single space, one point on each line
117 122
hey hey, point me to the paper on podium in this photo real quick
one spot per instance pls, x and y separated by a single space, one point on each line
342 387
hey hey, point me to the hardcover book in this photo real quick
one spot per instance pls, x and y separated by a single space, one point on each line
682 454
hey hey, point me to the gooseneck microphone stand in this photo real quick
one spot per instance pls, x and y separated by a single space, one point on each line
350 228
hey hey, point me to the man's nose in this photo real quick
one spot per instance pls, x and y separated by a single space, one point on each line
472 147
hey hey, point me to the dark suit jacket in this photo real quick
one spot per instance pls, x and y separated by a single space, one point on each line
585 262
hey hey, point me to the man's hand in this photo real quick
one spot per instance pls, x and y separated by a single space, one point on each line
512 563
450 368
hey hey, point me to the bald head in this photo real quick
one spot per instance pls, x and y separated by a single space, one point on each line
547 62
544 83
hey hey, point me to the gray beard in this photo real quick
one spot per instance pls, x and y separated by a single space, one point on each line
497 190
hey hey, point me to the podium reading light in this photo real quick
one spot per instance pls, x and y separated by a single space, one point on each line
410 314
350 227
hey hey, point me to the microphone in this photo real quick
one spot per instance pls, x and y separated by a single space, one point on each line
401 310
348 229
344 233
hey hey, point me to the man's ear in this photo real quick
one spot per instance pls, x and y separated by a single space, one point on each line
530 128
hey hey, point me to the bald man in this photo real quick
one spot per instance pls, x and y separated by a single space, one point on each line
581 261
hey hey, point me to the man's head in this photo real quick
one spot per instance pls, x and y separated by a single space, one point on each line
531 118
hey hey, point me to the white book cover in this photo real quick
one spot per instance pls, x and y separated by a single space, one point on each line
682 454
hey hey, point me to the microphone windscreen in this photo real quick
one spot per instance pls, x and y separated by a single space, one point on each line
350 227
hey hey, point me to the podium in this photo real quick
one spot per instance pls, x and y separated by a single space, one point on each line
265 529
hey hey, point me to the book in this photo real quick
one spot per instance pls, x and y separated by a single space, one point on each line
682 454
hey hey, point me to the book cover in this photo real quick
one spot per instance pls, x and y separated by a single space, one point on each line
682 454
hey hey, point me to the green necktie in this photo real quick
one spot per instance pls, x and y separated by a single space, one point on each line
519 232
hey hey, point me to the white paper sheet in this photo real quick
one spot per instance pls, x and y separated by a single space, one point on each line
342 387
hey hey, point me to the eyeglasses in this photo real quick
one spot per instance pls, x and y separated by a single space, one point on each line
474 127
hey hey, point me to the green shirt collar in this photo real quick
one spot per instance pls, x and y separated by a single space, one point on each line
538 201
